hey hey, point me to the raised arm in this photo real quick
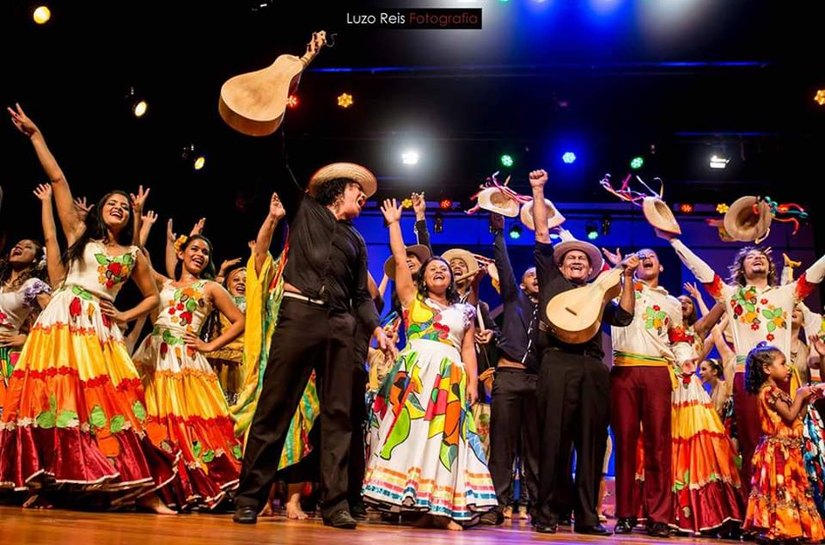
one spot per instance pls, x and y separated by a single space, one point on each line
422 235
808 281
54 264
694 292
382 287
627 301
727 355
267 230
537 180
508 283
170 256
404 285
223 302
138 202
710 319
66 212
149 219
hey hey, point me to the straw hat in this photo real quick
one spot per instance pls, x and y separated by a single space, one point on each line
464 255
418 250
554 217
745 224
496 200
349 171
570 243
659 215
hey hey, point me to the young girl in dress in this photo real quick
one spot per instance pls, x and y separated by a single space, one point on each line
781 506
185 404
428 456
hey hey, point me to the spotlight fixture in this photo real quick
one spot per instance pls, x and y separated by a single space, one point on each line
507 161
606 225
292 101
136 103
345 100
592 231
192 156
446 204
722 208
569 157
438 225
515 231
686 208
407 203
718 161
410 157
637 162
41 15
819 98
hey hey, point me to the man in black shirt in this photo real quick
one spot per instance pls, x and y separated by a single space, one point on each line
514 411
325 288
574 384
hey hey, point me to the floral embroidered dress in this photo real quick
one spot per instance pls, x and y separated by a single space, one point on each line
707 488
75 412
781 505
184 401
426 453
15 308
228 360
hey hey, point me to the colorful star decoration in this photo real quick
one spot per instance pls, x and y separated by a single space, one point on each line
722 208
345 100
407 203
820 97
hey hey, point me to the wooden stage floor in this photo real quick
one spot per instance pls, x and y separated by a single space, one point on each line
58 526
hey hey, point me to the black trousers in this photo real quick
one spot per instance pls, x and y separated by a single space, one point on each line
573 405
308 336
358 416
514 420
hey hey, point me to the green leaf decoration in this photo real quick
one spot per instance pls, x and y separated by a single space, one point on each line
45 420
767 313
101 259
237 452
127 259
649 323
67 419
437 425
139 410
750 307
400 432
771 327
117 423
191 305
687 476
448 455
208 456
97 418
196 449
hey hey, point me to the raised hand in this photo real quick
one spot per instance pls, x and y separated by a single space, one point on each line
276 207
818 345
630 263
691 288
140 199
537 178
43 192
497 222
197 229
170 233
228 264
22 122
391 210
613 259
419 205
82 208
149 218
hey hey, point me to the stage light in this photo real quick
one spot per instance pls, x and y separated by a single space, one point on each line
41 15
136 103
569 157
292 101
407 203
446 204
722 208
515 231
192 156
345 100
820 97
637 162
438 225
717 161
410 157
605 226
507 161
686 208
592 231
554 236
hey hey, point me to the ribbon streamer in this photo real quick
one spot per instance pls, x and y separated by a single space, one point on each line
626 194
492 181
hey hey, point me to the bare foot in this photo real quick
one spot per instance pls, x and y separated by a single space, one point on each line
267 511
36 501
153 503
294 511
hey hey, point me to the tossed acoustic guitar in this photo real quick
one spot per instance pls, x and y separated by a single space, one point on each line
575 316
255 103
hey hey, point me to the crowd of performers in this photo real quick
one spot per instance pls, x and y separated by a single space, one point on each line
266 373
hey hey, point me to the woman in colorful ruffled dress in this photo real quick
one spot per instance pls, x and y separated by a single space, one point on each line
429 458
707 490
75 413
227 361
185 404
22 293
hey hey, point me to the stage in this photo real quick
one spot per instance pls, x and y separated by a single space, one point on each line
47 527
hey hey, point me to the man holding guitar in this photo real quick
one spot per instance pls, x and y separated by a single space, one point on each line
573 385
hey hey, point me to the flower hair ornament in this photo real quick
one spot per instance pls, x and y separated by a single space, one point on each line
180 242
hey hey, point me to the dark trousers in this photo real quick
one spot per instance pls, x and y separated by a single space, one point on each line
358 417
573 405
513 417
308 336
748 427
643 395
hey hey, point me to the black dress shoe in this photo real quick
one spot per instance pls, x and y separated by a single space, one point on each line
550 528
494 517
566 520
595 530
358 510
245 515
625 525
658 529
340 519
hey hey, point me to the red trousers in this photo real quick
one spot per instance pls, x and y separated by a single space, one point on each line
642 395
